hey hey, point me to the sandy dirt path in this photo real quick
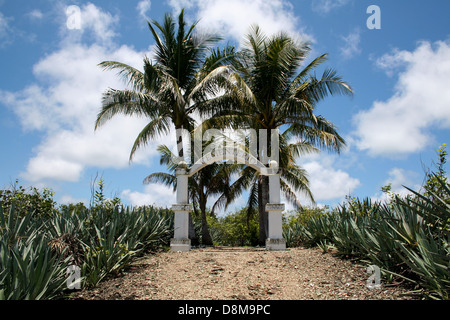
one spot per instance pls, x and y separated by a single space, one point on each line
223 273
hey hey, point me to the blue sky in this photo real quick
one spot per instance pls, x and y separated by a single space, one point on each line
51 90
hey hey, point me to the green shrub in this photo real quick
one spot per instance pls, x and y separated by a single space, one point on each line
235 229
307 226
41 203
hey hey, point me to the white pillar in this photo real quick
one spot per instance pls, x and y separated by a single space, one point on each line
182 186
275 211
275 240
274 188
180 240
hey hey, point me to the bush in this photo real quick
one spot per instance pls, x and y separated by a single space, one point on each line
235 229
41 203
296 232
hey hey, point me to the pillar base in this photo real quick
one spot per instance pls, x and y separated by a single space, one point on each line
180 245
275 244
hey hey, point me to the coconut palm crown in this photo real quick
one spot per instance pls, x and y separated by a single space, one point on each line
185 71
271 92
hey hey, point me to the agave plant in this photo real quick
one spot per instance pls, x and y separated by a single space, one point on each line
35 252
429 255
29 268
118 237
407 237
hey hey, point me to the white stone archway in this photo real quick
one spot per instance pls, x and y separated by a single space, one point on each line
181 241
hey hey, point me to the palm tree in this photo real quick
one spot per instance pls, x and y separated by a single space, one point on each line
272 93
186 72
168 91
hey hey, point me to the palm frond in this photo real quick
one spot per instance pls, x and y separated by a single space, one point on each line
329 84
126 102
294 180
167 157
219 57
305 73
293 109
161 177
132 76
302 148
253 45
252 202
234 191
323 134
235 96
289 194
158 126
209 85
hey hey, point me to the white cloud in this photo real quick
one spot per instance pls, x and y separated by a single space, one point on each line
398 178
45 167
63 103
9 32
143 8
5 29
68 199
351 46
325 6
154 194
36 14
421 101
95 24
66 110
394 61
326 181
3 23
233 18
178 5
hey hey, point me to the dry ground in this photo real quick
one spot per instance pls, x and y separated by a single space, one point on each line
242 273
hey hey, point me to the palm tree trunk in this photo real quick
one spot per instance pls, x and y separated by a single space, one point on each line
179 136
192 234
206 236
263 199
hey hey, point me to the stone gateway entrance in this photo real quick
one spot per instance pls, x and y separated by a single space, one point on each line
181 241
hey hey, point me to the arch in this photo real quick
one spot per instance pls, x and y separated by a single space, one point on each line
236 155
274 241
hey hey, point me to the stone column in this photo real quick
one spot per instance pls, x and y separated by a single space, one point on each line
181 241
275 240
